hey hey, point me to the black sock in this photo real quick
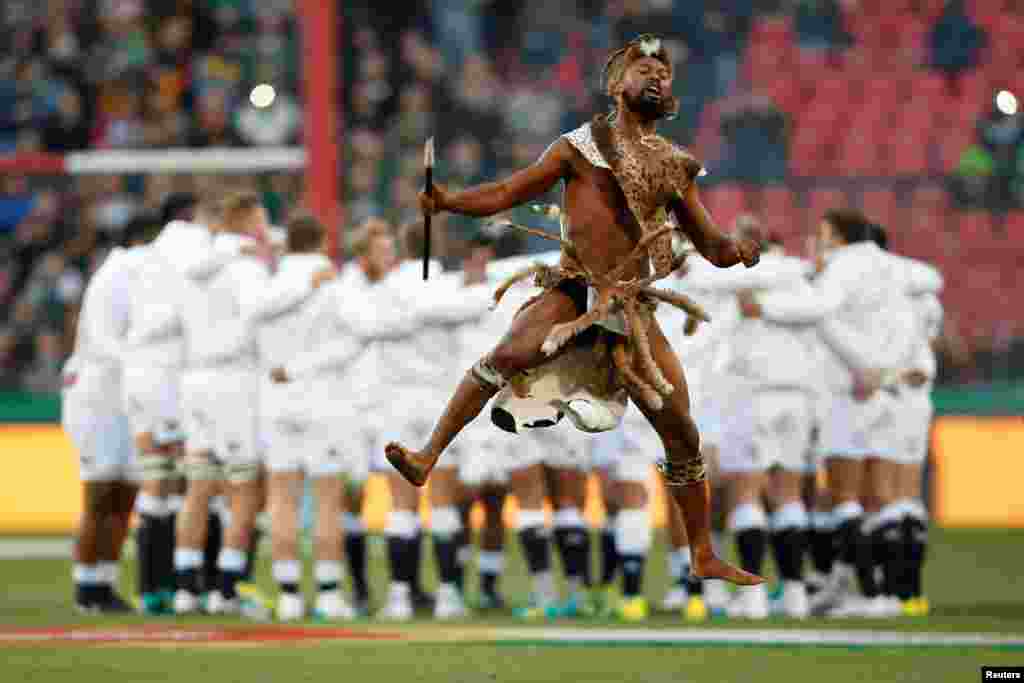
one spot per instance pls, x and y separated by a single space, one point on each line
462 549
632 574
88 594
751 544
166 576
229 583
145 538
915 541
536 549
188 580
401 556
214 541
823 549
250 562
489 583
887 546
289 588
574 549
846 541
415 555
445 552
355 551
865 563
609 556
788 547
694 586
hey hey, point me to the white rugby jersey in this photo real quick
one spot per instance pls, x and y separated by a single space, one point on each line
765 352
104 318
860 303
155 337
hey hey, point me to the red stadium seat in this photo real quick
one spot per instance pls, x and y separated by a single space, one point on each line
881 206
726 202
1013 226
907 153
951 147
975 228
779 212
929 199
820 200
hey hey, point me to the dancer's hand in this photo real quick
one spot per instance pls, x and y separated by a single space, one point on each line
435 202
749 250
279 376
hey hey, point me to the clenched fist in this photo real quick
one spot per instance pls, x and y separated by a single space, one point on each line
279 376
749 250
435 202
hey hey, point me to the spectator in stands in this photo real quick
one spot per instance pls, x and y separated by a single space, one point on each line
819 25
754 132
956 41
459 22
1001 136
66 129
44 374
10 370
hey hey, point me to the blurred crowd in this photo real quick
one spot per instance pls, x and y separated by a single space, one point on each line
495 82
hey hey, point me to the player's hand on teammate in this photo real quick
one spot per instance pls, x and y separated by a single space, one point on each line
435 202
749 250
691 326
866 384
323 276
915 378
279 376
749 308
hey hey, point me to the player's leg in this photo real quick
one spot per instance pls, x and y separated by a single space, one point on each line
328 570
517 351
446 526
685 468
567 486
204 481
151 399
632 531
914 539
354 530
285 486
881 533
789 523
491 562
403 530
527 484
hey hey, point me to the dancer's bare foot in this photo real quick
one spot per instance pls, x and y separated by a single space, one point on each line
415 467
713 568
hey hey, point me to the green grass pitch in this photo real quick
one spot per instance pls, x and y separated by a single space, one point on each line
972 580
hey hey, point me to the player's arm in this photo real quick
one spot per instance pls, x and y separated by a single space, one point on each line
488 199
735 280
445 305
712 243
922 278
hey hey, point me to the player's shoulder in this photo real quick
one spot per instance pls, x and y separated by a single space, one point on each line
680 158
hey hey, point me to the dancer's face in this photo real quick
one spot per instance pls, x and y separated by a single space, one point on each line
647 88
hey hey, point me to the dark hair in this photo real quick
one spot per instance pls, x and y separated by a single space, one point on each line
140 229
852 225
879 236
305 234
178 206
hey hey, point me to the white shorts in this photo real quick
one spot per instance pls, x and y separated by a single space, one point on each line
406 415
914 413
861 429
97 426
152 401
222 417
767 428
562 446
483 454
626 453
